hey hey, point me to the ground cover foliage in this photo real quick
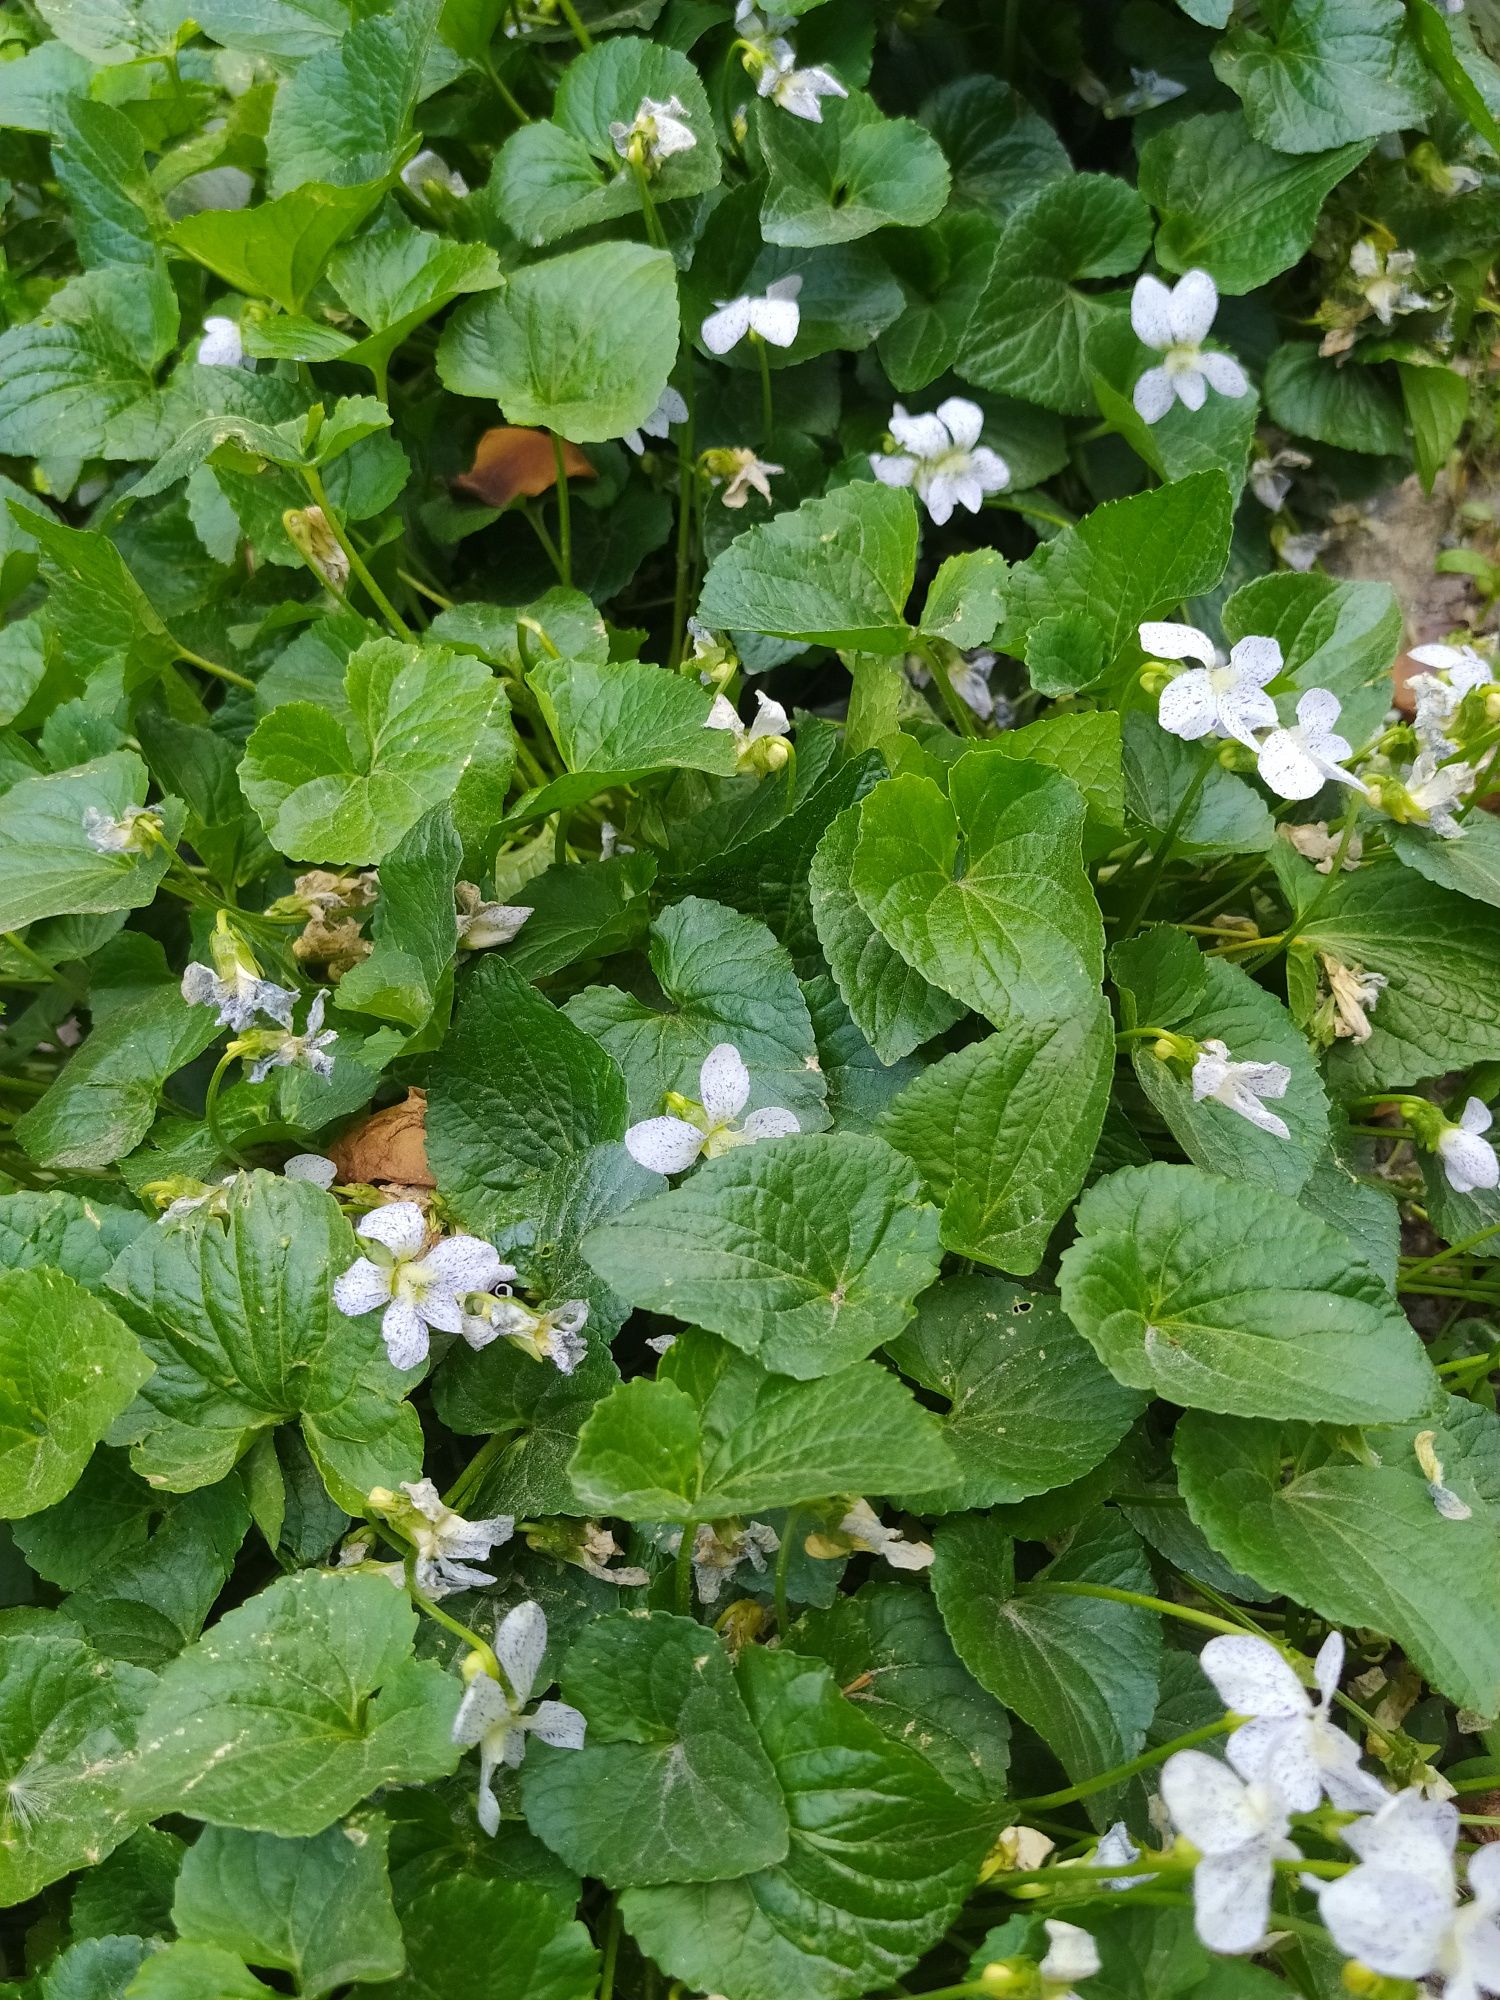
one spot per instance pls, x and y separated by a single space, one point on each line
746 1234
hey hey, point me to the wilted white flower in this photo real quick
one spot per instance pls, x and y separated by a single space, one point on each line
1468 1158
969 677
942 458
773 317
555 1334
740 472
447 1544
1398 1911
1240 1086
265 1051
136 831
1317 843
1116 1849
1071 1955
1454 673
1382 279
719 1549
1175 320
1289 1743
772 61
863 1528
592 1548
1299 552
497 1722
233 984
419 1291
1218 698
481 924
763 744
314 1167
1355 993
670 409
1241 1832
1434 790
1270 478
428 172
1447 1502
221 345
657 132
670 1144
1296 763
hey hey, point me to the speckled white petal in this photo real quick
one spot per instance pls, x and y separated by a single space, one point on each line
723 1083
893 468
1251 1677
464 1264
362 1288
990 469
726 327
1232 1899
1152 395
314 1167
772 1121
964 420
1165 641
1476 1116
520 1642
399 1225
1188 706
1256 658
776 320
1195 300
1278 1750
1208 1803
925 435
1190 388
939 496
1224 373
482 1707
404 1332
665 1145
1394 1923
1151 313
558 1724
1329 1664
1243 710
1286 767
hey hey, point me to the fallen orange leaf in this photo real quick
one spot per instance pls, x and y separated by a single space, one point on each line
510 461
389 1147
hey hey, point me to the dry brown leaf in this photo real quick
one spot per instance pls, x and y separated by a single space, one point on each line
511 461
390 1146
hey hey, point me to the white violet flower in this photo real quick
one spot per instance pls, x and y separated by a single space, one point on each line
265 1051
221 345
136 831
1241 1832
670 1144
497 1722
1468 1159
1453 672
1241 1086
1218 697
1296 763
447 1544
1175 320
1434 790
657 132
942 458
420 1288
1288 1741
427 171
772 61
774 317
670 409
1398 1911
482 925
1071 1955
1382 279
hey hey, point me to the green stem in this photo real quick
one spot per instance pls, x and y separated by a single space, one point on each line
473 1475
655 234
1453 1250
213 667
766 415
683 1571
1161 1604
687 503
581 34
24 951
610 1956
1164 851
533 515
425 590
1320 894
1106 1779
783 1567
958 709
564 514
211 1112
377 596
502 90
